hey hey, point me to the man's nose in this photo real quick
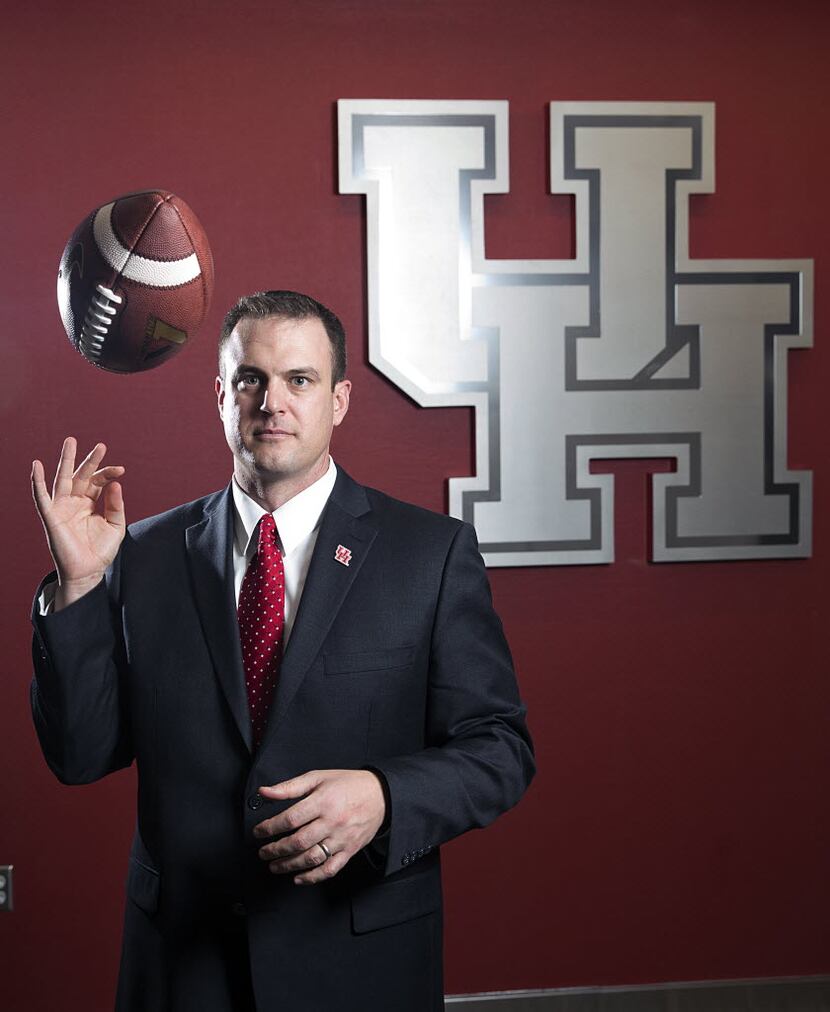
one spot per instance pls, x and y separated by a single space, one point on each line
268 399
270 403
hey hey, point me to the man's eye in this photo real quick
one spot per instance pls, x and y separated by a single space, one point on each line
247 380
299 381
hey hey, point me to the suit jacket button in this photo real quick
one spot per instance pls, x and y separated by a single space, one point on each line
238 909
255 801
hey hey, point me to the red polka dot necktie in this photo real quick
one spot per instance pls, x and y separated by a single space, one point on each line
261 612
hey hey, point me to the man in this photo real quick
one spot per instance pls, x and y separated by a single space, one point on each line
314 705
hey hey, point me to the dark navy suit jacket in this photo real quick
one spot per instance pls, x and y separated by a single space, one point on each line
396 662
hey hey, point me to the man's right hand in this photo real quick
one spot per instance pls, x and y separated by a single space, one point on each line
82 541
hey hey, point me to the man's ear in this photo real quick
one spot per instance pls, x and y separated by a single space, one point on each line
219 387
341 399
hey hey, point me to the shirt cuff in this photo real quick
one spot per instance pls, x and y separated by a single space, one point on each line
46 599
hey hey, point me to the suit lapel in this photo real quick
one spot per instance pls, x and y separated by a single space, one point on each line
209 553
346 524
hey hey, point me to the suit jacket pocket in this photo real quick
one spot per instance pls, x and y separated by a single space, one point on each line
368 660
394 901
143 886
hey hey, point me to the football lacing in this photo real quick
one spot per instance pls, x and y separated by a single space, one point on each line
98 321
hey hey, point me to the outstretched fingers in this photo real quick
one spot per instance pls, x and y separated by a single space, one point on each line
88 479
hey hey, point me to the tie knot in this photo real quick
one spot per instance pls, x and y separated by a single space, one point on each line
267 534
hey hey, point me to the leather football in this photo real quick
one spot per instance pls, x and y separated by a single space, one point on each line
135 281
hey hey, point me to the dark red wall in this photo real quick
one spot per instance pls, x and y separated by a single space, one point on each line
679 826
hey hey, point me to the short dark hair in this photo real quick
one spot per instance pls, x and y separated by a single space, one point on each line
289 306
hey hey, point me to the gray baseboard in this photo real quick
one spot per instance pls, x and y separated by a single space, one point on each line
774 994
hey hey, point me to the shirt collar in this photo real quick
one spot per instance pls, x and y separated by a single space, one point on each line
295 519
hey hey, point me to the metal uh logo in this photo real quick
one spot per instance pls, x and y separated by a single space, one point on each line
632 349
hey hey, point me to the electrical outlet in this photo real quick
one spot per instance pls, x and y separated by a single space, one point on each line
6 890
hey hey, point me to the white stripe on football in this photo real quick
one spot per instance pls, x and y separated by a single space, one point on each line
156 273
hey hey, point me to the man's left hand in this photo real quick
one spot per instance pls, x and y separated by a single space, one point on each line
340 809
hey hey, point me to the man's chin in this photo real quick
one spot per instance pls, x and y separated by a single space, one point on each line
271 467
264 463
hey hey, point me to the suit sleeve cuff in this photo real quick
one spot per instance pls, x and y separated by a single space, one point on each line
377 850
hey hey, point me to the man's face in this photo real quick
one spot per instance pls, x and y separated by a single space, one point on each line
276 401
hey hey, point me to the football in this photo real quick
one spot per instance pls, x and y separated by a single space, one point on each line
135 281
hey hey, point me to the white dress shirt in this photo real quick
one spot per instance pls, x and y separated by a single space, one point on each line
298 523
